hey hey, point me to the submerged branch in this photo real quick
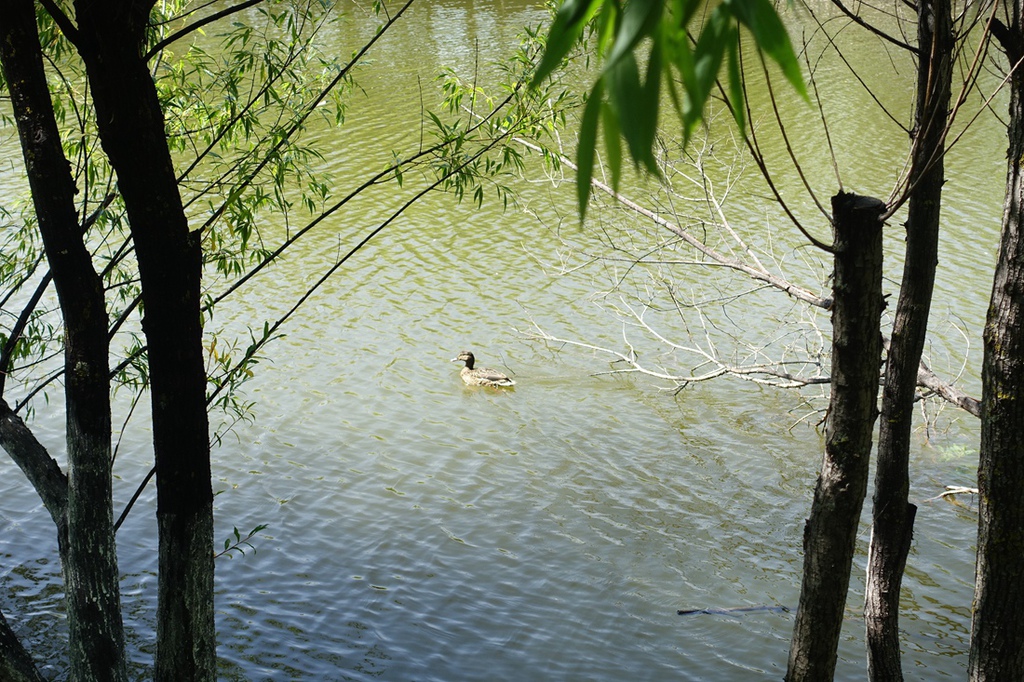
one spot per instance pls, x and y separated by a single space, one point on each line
765 373
927 379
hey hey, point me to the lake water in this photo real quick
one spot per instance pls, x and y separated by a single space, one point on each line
422 530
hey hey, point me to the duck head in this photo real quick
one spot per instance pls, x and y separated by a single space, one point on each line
465 356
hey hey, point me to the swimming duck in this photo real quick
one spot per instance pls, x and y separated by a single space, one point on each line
480 376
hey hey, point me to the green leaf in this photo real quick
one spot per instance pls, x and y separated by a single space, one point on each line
707 60
566 29
674 97
612 143
684 10
607 24
683 58
736 81
760 17
649 105
636 105
639 20
585 150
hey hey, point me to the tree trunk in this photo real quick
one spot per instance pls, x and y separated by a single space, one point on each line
131 127
51 485
89 554
41 470
831 531
15 663
893 515
997 636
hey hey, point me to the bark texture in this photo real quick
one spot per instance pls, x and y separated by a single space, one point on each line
831 530
997 637
893 515
110 38
51 485
15 663
88 551
35 462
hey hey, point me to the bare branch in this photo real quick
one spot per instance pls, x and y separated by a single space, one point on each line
708 362
928 379
952 491
195 26
718 258
15 336
855 18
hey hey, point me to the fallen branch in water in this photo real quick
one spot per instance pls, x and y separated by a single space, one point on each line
711 365
953 491
777 608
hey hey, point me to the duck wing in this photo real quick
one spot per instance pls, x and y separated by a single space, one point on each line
493 376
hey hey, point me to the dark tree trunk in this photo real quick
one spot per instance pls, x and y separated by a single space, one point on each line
997 637
893 515
131 127
52 486
41 470
831 531
88 553
15 663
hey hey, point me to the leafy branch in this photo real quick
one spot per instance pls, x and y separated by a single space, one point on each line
655 34
239 543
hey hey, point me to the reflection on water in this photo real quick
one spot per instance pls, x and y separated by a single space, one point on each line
420 529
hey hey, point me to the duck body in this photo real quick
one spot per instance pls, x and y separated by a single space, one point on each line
480 376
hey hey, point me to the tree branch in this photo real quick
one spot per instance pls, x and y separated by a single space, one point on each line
766 373
7 353
198 25
62 20
878 32
928 379
15 663
42 471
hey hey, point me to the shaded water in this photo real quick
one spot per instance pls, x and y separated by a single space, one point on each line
419 529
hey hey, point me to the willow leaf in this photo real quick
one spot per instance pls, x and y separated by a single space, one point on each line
707 60
639 20
612 143
566 29
585 150
764 24
736 80
633 102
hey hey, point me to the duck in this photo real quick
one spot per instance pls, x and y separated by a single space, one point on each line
480 376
